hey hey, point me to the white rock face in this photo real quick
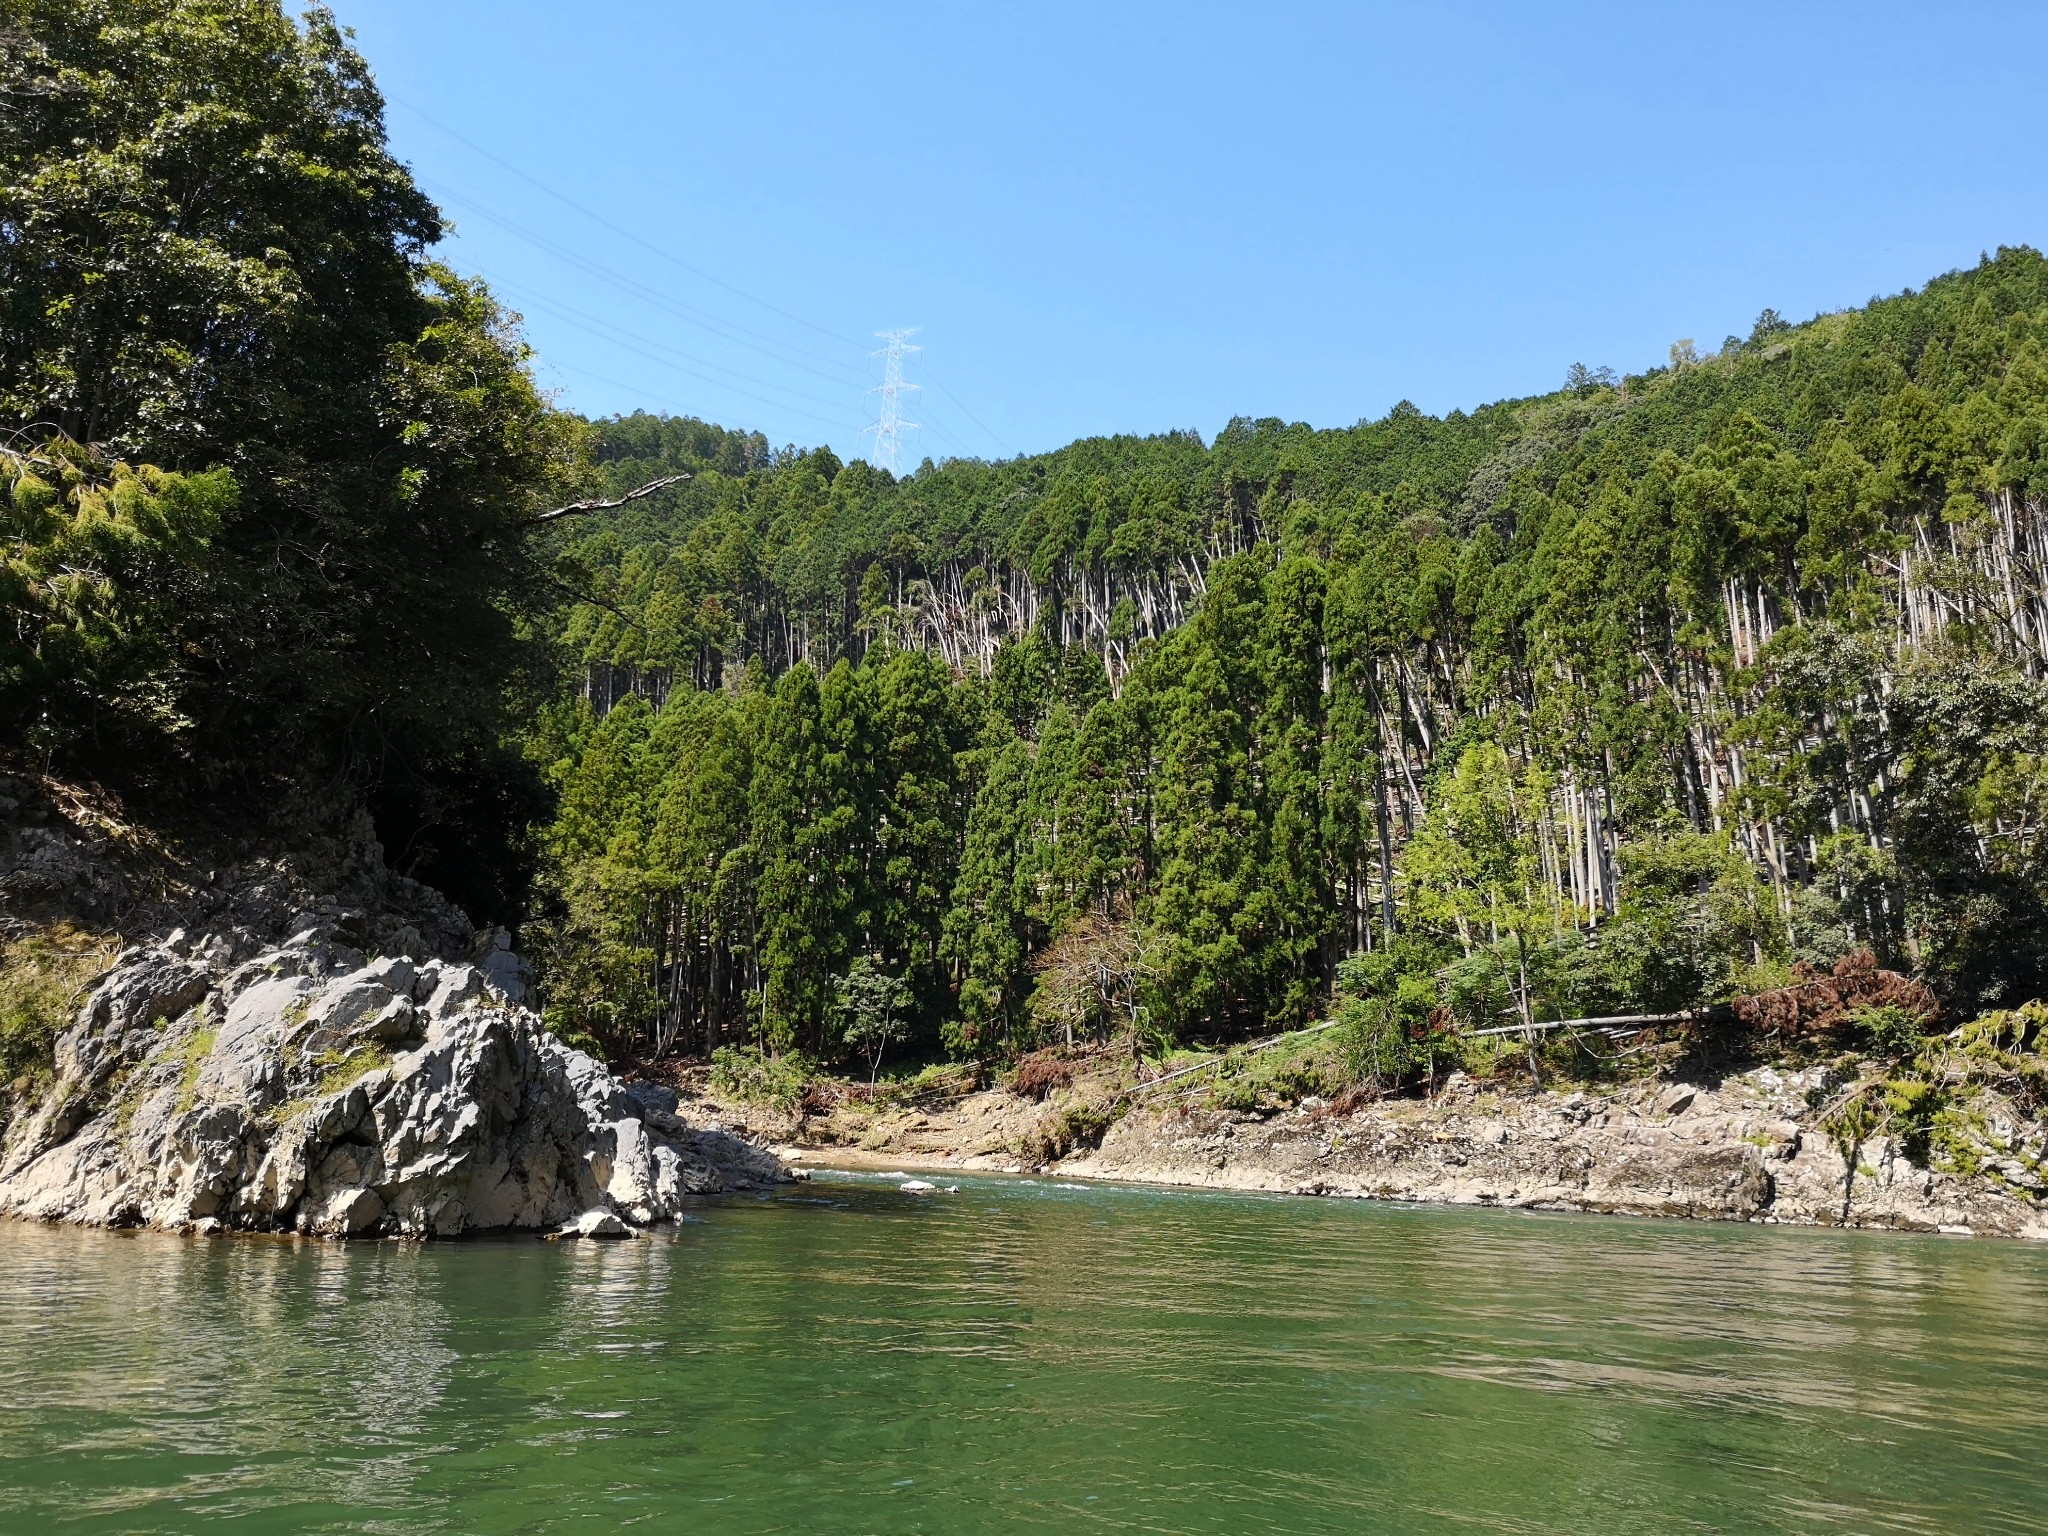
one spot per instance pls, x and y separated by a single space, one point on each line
310 1091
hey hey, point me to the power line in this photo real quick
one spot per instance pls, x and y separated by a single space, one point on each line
636 289
1001 446
635 390
727 330
616 229
960 449
890 428
604 330
719 384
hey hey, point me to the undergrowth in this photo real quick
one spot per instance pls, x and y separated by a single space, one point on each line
44 977
190 1059
751 1076
342 1069
1968 1102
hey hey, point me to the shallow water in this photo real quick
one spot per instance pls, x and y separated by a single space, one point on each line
1023 1356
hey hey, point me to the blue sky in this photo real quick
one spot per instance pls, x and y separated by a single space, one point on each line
1130 218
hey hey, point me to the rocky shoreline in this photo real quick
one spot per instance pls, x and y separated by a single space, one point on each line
309 1088
1745 1148
376 1074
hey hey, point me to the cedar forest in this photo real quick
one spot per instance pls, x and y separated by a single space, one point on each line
1636 696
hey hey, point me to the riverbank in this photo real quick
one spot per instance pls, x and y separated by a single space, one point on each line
1748 1147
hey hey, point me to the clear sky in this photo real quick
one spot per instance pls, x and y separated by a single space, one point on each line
1130 218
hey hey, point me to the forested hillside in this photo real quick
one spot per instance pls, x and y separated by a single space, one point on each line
1632 696
1635 696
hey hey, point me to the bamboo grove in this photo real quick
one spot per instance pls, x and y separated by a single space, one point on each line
1630 695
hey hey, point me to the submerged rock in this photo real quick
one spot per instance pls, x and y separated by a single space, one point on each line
312 1090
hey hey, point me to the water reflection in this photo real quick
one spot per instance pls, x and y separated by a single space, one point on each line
141 1367
1029 1358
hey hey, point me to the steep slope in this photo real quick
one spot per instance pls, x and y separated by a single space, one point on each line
1626 698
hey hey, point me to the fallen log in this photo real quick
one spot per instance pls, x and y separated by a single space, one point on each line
1627 1023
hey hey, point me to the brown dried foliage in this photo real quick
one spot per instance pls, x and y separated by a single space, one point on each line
1821 1000
821 1096
1039 1075
1349 1102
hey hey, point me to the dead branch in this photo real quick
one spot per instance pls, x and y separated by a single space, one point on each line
578 508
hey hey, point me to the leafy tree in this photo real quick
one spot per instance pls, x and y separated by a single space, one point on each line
1476 868
212 268
94 560
869 1003
988 929
1622 698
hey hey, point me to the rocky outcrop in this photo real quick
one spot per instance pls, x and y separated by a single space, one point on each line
314 1090
1743 1149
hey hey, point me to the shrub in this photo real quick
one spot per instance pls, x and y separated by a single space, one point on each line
1374 1040
1071 1126
1388 1016
751 1076
1821 1000
1893 1031
1235 1093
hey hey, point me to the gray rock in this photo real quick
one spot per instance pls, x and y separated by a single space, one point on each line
597 1223
502 969
1675 1100
341 1097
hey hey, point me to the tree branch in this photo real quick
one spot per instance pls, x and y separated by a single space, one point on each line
595 602
578 508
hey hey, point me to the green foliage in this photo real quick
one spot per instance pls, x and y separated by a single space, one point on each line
342 1069
44 977
301 534
1376 1044
1892 1031
1969 1103
190 1059
1386 1015
1693 920
1066 1127
754 1077
1319 1062
1628 696
96 561
869 1003
1600 702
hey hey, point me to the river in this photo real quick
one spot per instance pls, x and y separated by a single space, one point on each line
1026 1356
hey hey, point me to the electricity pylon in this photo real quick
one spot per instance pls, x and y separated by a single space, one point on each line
890 428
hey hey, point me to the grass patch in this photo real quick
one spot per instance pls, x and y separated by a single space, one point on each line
44 977
190 1058
339 1070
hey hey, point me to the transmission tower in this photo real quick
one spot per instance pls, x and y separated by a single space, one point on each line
890 428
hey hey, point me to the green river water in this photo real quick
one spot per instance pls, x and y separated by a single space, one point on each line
1030 1356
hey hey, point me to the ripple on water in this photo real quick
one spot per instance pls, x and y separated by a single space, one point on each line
1030 1356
